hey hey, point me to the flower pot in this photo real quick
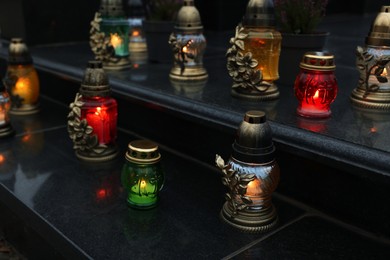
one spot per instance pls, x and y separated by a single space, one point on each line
157 36
294 46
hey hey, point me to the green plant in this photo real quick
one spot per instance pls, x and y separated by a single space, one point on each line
299 16
161 10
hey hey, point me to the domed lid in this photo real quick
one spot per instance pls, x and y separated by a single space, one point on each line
143 151
380 29
253 143
18 53
188 17
323 61
95 81
111 8
259 13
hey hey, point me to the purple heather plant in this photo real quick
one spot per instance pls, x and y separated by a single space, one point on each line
299 16
161 10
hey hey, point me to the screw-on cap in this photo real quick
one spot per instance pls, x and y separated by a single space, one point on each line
259 13
322 61
380 29
95 81
18 53
111 8
188 17
143 152
253 142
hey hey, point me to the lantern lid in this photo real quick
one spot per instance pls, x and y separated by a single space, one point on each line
321 61
18 53
188 17
111 8
95 81
253 143
259 13
143 151
380 30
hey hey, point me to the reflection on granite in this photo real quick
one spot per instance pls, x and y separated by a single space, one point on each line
317 238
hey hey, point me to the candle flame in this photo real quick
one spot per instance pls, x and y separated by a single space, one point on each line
26 138
2 158
261 42
101 193
143 184
316 95
98 110
21 83
135 33
115 40
384 73
184 49
253 187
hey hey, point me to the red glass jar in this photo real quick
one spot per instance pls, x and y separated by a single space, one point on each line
101 114
316 86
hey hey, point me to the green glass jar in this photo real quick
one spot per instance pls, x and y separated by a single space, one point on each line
142 174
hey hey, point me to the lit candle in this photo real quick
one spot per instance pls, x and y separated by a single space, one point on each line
253 188
116 40
2 115
99 120
135 33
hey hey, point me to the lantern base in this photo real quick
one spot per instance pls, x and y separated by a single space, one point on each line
109 154
188 74
6 131
249 220
374 100
313 113
120 63
25 110
141 206
271 93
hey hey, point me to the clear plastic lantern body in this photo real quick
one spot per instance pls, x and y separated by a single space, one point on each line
137 40
265 46
101 114
377 53
25 90
260 189
5 105
315 91
142 182
118 31
192 49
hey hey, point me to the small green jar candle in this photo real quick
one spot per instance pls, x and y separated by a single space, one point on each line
142 174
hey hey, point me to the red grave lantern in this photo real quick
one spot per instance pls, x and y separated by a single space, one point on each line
92 121
316 86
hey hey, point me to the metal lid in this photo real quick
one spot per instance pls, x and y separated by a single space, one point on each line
188 17
95 81
259 13
380 30
18 53
143 151
322 61
253 143
111 8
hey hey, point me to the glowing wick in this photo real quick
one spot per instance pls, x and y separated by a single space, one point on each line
116 40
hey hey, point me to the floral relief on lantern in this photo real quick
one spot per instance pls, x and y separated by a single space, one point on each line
373 70
242 67
80 132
